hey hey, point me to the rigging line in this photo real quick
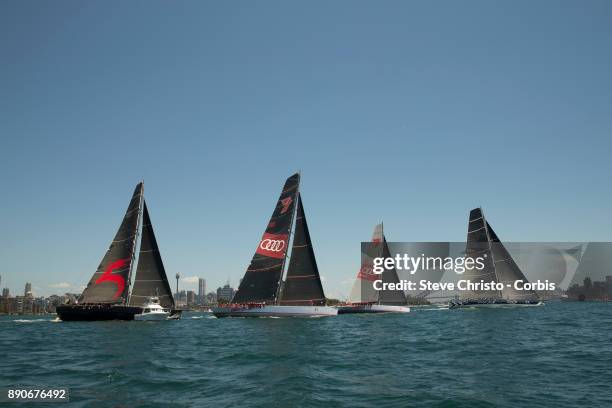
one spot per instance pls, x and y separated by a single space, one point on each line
136 243
290 238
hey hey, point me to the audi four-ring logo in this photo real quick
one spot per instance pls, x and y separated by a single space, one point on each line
272 245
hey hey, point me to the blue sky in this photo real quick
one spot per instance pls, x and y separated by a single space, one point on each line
407 112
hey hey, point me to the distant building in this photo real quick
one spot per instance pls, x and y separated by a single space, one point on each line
181 297
191 297
28 290
226 293
5 292
591 290
201 290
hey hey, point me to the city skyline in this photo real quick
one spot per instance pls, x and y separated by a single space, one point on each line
410 114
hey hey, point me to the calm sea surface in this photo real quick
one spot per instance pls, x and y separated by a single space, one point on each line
556 355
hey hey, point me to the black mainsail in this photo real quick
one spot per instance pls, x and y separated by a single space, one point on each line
262 279
499 266
302 284
151 279
110 283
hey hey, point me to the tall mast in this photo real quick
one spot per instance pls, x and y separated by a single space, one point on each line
289 241
133 256
382 250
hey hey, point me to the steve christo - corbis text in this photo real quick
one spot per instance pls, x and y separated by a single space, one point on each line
462 285
459 265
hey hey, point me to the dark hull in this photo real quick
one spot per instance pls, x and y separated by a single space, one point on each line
175 314
491 303
354 309
97 312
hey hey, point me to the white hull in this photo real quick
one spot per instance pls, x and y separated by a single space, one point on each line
152 311
372 309
152 316
275 311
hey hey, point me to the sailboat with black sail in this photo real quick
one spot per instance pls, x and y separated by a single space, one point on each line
107 295
499 267
364 298
262 291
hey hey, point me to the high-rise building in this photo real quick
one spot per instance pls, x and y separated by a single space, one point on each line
5 292
191 297
180 297
28 290
226 293
202 290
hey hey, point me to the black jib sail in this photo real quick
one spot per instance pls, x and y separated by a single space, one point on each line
151 279
507 270
110 283
302 284
386 296
263 276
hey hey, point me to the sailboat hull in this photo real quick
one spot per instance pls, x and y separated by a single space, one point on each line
351 309
496 304
97 312
274 311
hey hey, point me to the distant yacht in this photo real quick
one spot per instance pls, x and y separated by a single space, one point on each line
364 298
498 267
107 295
262 291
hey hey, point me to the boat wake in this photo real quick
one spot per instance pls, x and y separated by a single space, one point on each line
34 320
434 308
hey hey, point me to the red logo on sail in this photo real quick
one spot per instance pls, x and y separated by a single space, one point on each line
366 272
273 245
286 202
108 276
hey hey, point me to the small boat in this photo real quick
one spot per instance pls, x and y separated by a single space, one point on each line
107 295
499 267
364 298
152 310
262 291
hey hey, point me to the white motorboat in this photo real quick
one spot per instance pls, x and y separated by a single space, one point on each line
152 310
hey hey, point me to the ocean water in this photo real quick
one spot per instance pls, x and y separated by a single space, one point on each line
557 355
